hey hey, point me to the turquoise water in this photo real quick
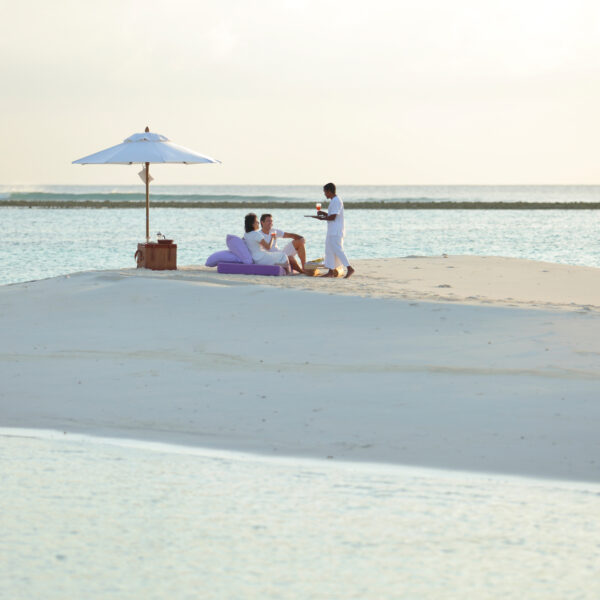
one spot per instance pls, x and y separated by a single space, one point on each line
93 518
44 242
40 243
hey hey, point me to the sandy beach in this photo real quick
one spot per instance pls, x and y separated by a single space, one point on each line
472 280
464 363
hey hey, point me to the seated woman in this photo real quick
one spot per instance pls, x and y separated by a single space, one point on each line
259 249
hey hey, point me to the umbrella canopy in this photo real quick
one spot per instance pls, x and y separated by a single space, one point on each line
145 148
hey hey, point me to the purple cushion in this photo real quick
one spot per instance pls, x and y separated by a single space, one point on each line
238 247
238 269
221 256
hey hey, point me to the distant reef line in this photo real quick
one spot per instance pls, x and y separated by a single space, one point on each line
371 205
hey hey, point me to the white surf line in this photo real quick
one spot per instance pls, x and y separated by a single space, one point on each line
466 477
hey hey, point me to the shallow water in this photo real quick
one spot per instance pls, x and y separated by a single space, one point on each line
40 243
92 518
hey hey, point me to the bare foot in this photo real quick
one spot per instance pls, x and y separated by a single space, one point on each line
329 273
349 272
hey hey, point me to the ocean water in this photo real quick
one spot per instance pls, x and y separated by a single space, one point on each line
40 242
97 518
221 195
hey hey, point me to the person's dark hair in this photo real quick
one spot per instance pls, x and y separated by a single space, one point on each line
249 222
329 187
263 217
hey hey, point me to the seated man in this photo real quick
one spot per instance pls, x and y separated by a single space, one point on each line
259 249
293 248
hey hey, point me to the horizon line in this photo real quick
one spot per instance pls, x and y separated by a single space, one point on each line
315 184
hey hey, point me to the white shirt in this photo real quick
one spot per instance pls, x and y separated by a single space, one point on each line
267 237
336 227
253 240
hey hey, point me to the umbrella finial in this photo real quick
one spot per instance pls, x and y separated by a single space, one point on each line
147 130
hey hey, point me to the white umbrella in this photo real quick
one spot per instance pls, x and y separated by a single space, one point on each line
145 148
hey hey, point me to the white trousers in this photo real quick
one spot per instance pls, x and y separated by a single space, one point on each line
334 252
271 258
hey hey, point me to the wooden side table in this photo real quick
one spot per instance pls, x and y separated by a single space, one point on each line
159 256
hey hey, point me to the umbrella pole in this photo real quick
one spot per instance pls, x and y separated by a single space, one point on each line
147 202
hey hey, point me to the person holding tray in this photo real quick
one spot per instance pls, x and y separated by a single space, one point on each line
334 241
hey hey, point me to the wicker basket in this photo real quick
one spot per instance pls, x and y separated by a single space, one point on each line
316 268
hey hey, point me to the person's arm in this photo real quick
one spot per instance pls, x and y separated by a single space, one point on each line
323 216
268 246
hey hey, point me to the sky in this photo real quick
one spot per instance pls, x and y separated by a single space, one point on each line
302 91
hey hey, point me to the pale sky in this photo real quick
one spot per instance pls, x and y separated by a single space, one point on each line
303 91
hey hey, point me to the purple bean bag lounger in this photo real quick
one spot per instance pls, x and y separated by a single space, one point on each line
253 269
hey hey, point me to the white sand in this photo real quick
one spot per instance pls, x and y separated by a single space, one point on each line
464 279
228 362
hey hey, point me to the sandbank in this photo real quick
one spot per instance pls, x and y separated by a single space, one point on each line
464 363
485 280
